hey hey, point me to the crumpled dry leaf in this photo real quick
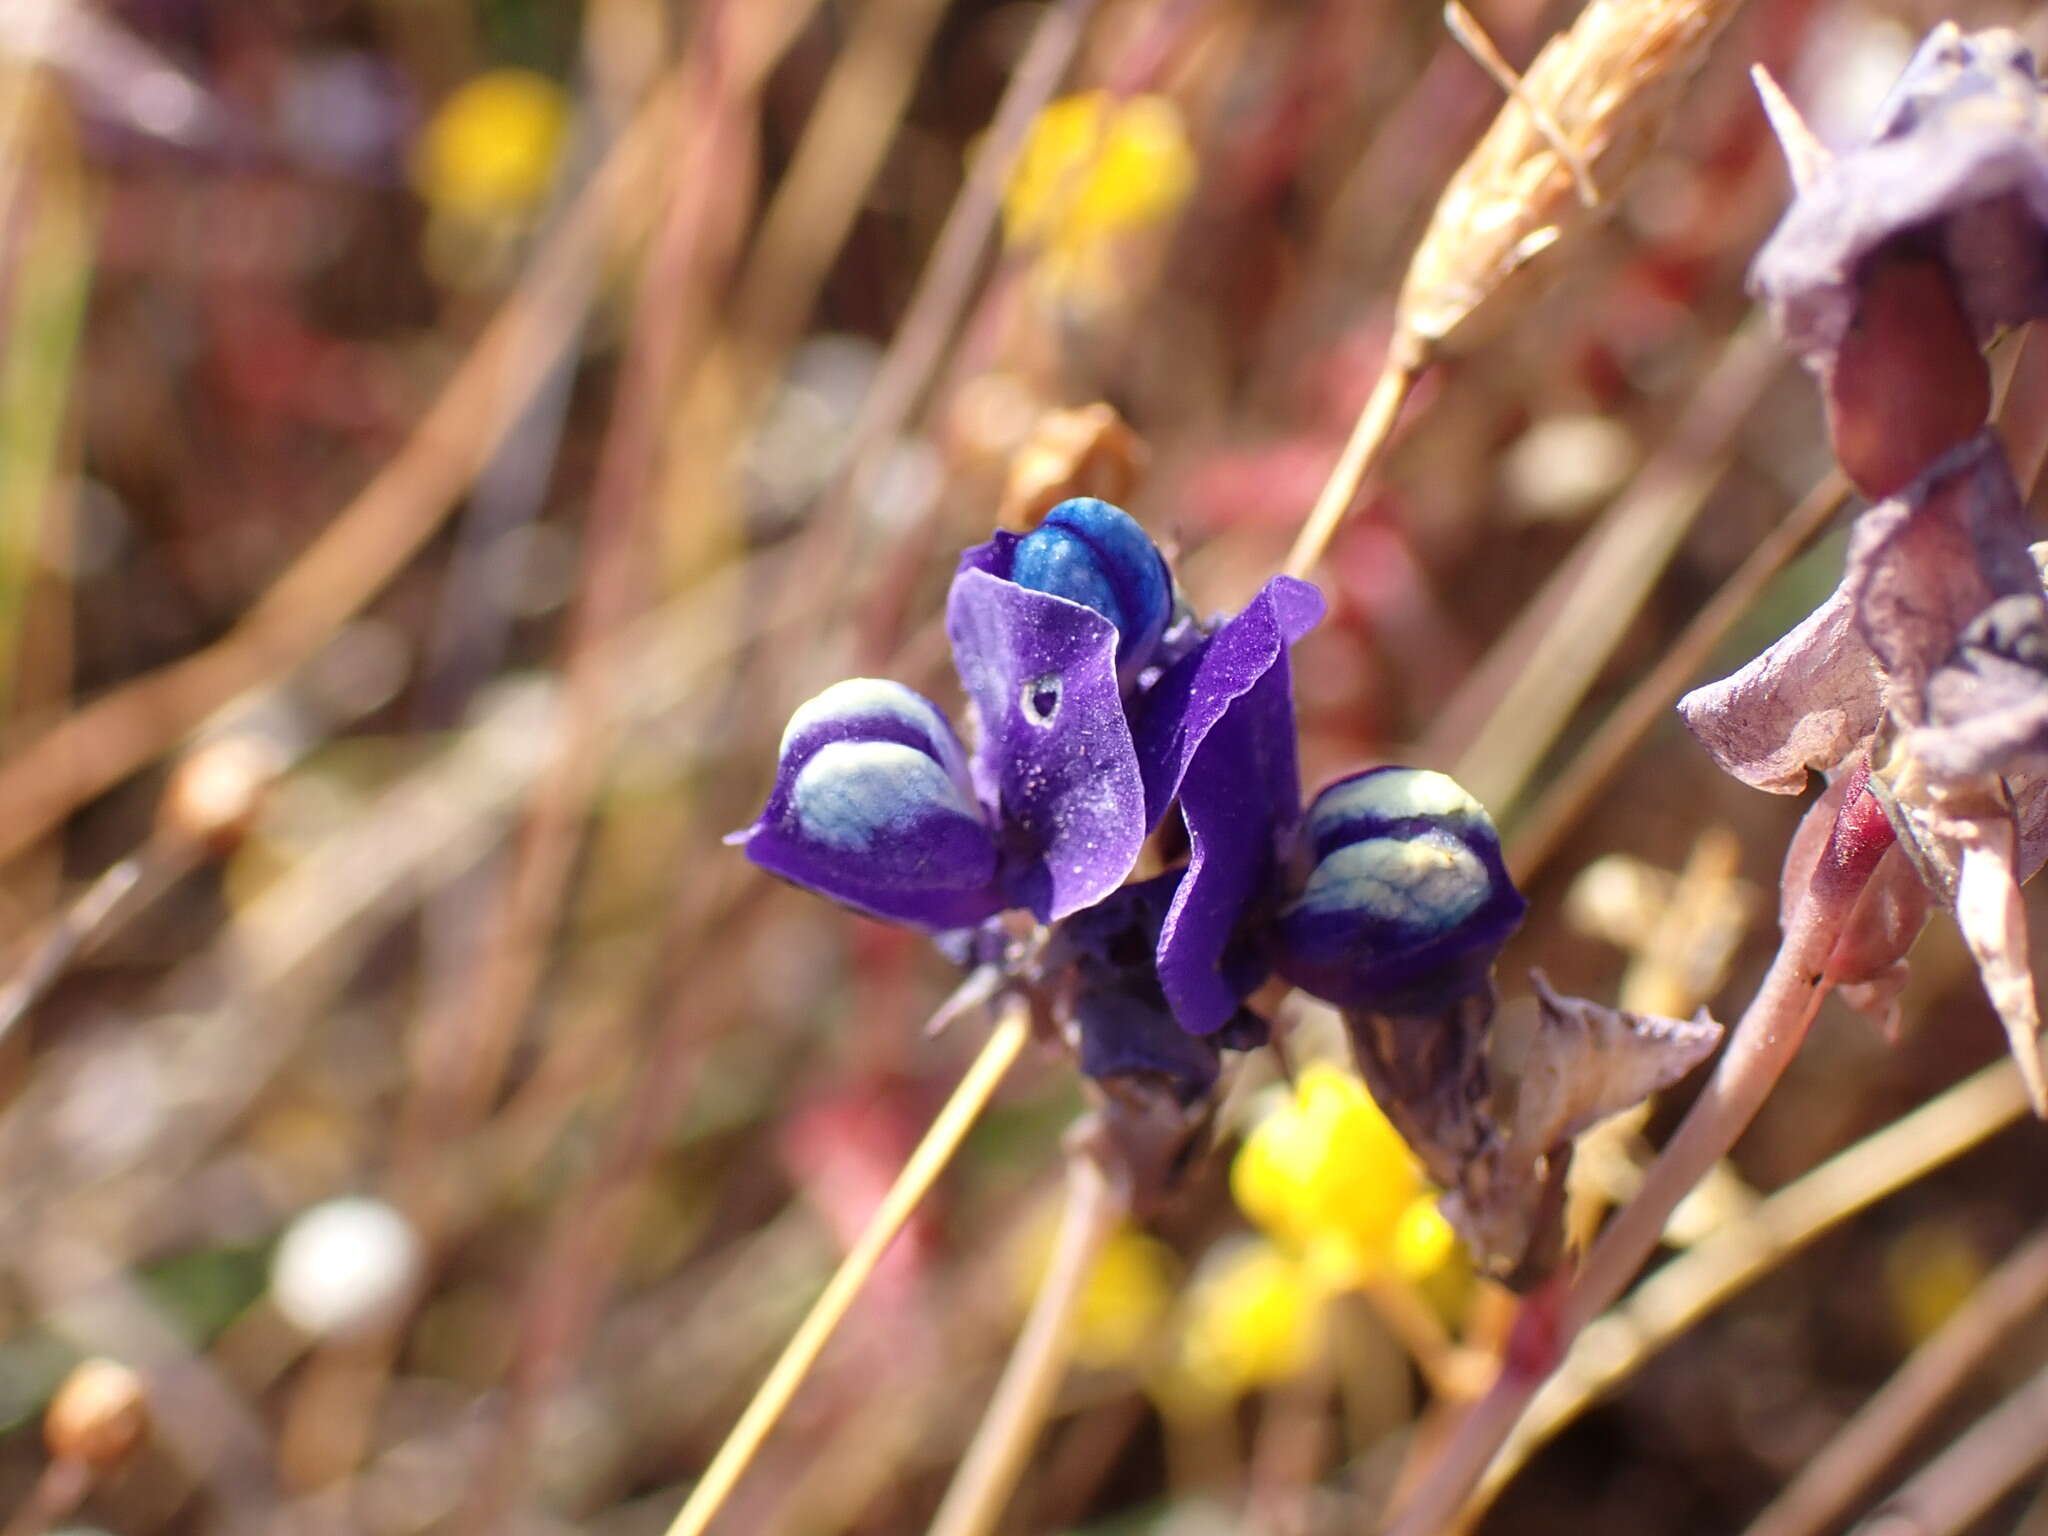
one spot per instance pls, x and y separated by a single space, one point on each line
1957 158
1926 564
1586 1062
1444 1083
1929 662
1994 924
1810 702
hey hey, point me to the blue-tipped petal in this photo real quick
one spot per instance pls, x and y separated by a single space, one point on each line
873 806
1407 900
1094 554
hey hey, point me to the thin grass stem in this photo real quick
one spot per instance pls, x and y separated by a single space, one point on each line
1965 1480
1369 435
1536 836
1759 1049
988 1472
1880 1432
1720 1266
948 1130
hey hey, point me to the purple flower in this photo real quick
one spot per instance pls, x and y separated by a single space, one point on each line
1929 663
873 806
875 803
1406 901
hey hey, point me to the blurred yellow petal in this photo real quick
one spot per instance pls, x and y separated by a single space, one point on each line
1126 1296
1328 1176
1092 171
1254 1317
1424 1243
489 153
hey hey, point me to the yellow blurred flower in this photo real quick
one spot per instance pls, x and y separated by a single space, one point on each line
1126 1296
1326 1176
488 155
1254 1317
1929 1271
1094 170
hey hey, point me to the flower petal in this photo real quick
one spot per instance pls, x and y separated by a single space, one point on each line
871 807
1408 900
1218 731
1177 713
1094 554
1123 1025
1809 702
1055 758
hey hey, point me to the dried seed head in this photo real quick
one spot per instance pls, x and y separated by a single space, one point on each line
216 789
1606 87
98 1416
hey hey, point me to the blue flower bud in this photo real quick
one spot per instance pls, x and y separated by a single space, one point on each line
873 806
1092 553
1406 901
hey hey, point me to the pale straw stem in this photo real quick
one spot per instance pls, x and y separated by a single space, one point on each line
1005 1043
1369 435
981 1486
1965 1480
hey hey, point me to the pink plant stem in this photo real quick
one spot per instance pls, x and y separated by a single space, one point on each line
1759 1049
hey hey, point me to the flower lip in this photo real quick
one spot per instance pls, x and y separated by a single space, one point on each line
873 806
1407 901
1095 554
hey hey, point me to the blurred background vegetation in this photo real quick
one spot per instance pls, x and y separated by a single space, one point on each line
441 440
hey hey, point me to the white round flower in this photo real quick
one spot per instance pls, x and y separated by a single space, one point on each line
344 1267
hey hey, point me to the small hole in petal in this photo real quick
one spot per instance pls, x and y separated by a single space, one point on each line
1041 699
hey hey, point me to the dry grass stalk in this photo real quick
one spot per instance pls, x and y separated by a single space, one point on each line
1573 131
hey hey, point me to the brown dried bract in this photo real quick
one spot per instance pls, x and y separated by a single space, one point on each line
1608 86
1088 451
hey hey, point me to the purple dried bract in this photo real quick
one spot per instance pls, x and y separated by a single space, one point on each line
1900 256
1926 663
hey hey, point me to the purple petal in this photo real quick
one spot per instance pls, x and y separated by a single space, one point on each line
1408 902
872 807
1809 702
1177 713
1055 758
1122 1024
1218 730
